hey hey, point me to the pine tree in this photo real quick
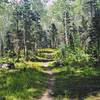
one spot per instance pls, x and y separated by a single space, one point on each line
53 33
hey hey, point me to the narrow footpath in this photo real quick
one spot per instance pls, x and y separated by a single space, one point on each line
49 92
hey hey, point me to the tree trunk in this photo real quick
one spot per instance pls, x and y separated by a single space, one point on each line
98 49
1 48
65 33
25 46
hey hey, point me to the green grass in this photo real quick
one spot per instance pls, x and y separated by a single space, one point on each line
93 97
29 64
7 59
46 53
76 82
45 56
46 50
26 82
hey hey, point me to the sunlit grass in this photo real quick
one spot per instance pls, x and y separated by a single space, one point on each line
46 50
26 82
22 84
97 97
59 69
7 59
29 64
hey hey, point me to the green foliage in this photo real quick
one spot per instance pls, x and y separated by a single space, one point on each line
22 33
8 41
22 83
7 59
58 8
78 57
94 35
53 35
46 50
76 82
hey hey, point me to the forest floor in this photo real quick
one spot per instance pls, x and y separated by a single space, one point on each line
30 80
47 95
49 91
42 80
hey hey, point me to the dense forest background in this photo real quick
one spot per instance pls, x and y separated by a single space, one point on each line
65 33
27 25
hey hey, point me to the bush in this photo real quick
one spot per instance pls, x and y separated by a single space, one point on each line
70 57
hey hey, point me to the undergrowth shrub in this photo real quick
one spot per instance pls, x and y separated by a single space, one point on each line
77 57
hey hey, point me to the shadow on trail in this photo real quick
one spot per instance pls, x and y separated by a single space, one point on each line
23 84
74 86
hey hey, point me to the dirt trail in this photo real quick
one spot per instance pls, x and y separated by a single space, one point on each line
47 94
